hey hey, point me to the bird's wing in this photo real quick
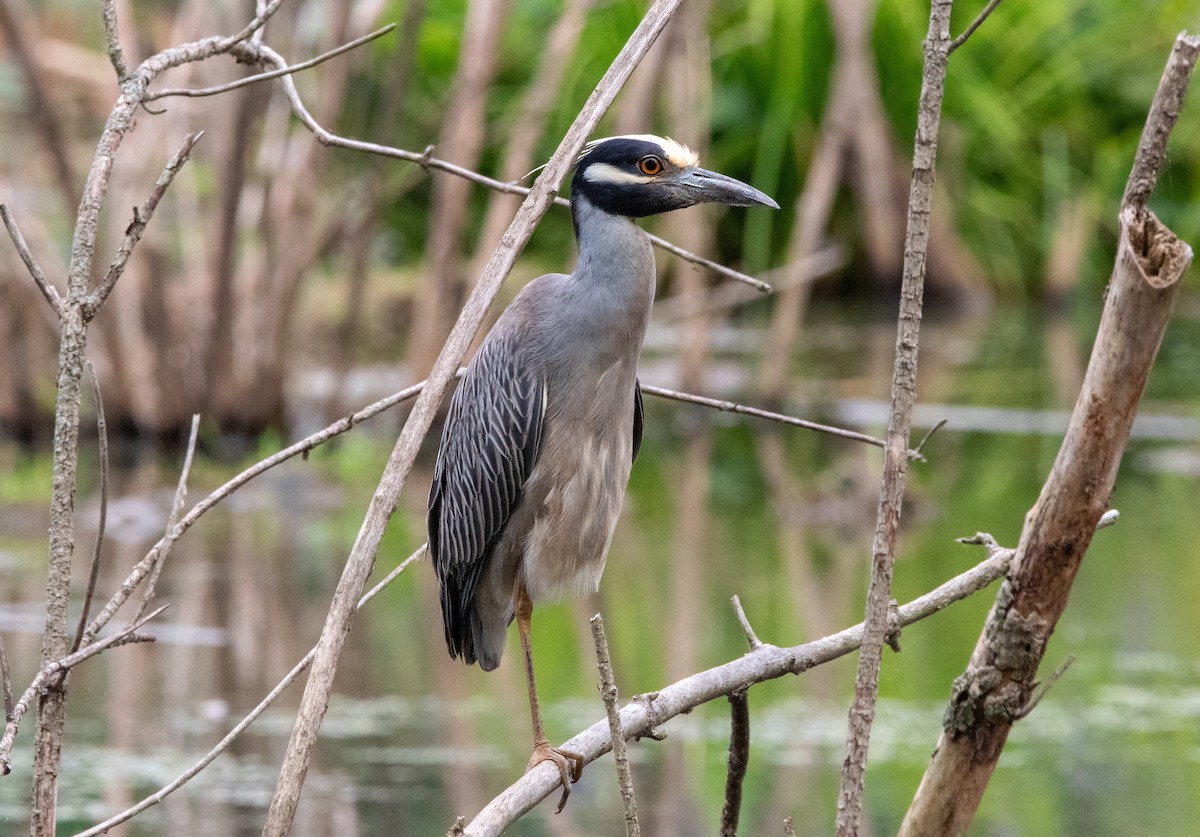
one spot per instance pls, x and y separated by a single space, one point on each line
639 419
490 442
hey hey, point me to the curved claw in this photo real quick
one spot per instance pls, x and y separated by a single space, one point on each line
561 758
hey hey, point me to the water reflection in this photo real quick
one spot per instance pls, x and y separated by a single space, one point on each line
783 519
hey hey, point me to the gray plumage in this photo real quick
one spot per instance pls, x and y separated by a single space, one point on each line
545 425
540 438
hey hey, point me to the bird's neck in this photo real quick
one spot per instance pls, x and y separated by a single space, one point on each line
616 262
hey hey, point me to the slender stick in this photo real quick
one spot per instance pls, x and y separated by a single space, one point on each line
6 682
176 508
102 521
141 217
608 692
739 760
904 380
975 24
222 745
39 278
112 41
282 71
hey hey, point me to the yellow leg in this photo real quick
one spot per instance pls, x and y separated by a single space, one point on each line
570 765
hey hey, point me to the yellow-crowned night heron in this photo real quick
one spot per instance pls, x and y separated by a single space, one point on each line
545 425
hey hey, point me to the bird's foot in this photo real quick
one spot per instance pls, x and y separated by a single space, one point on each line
569 764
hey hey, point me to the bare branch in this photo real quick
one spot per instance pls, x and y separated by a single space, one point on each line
112 41
1044 688
102 521
283 71
639 717
54 670
141 217
732 407
903 395
975 24
739 760
608 692
740 613
1164 110
176 508
48 290
222 745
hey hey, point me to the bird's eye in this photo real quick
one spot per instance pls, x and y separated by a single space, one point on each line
650 165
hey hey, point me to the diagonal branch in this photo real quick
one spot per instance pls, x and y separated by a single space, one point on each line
640 717
282 71
975 24
141 217
48 290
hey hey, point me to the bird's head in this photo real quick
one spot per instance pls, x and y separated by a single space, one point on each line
640 175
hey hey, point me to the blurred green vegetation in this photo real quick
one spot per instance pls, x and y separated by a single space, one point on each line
1043 109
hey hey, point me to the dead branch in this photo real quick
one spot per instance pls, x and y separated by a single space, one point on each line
141 217
904 380
39 278
640 717
267 76
998 685
102 517
6 682
222 745
740 612
975 24
55 670
387 495
112 41
608 692
739 760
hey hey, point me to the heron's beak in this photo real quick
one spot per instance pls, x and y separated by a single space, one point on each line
704 186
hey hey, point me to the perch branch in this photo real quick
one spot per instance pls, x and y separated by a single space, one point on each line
640 717
39 278
608 692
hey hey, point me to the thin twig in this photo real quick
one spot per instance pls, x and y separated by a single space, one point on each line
102 521
48 290
141 217
176 508
975 24
751 637
608 692
282 71
6 682
54 670
919 449
222 745
426 160
739 760
741 409
112 40
1043 688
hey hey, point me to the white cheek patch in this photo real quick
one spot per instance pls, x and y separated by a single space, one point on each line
606 173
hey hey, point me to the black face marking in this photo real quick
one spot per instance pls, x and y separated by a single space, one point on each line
639 159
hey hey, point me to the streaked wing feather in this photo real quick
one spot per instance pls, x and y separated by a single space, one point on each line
488 449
